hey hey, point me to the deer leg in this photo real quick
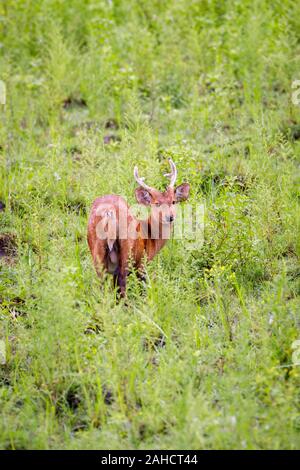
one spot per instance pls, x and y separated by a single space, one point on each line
122 284
123 271
99 262
120 280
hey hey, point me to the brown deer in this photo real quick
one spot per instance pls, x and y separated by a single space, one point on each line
115 236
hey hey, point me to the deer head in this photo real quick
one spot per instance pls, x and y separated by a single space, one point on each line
163 204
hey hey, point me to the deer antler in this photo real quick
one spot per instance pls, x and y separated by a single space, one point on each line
173 174
140 181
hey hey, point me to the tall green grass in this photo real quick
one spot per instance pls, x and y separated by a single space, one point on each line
201 357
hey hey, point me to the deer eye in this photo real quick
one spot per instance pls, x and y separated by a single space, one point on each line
173 202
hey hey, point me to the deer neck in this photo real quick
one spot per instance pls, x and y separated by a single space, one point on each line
154 236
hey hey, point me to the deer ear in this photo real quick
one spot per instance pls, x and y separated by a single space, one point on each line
143 196
182 192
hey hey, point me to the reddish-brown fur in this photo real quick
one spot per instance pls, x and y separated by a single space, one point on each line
112 254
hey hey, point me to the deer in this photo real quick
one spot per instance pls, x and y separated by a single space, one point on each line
118 241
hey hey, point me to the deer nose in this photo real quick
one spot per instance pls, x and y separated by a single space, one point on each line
169 218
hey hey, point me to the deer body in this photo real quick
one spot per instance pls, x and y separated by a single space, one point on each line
115 236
